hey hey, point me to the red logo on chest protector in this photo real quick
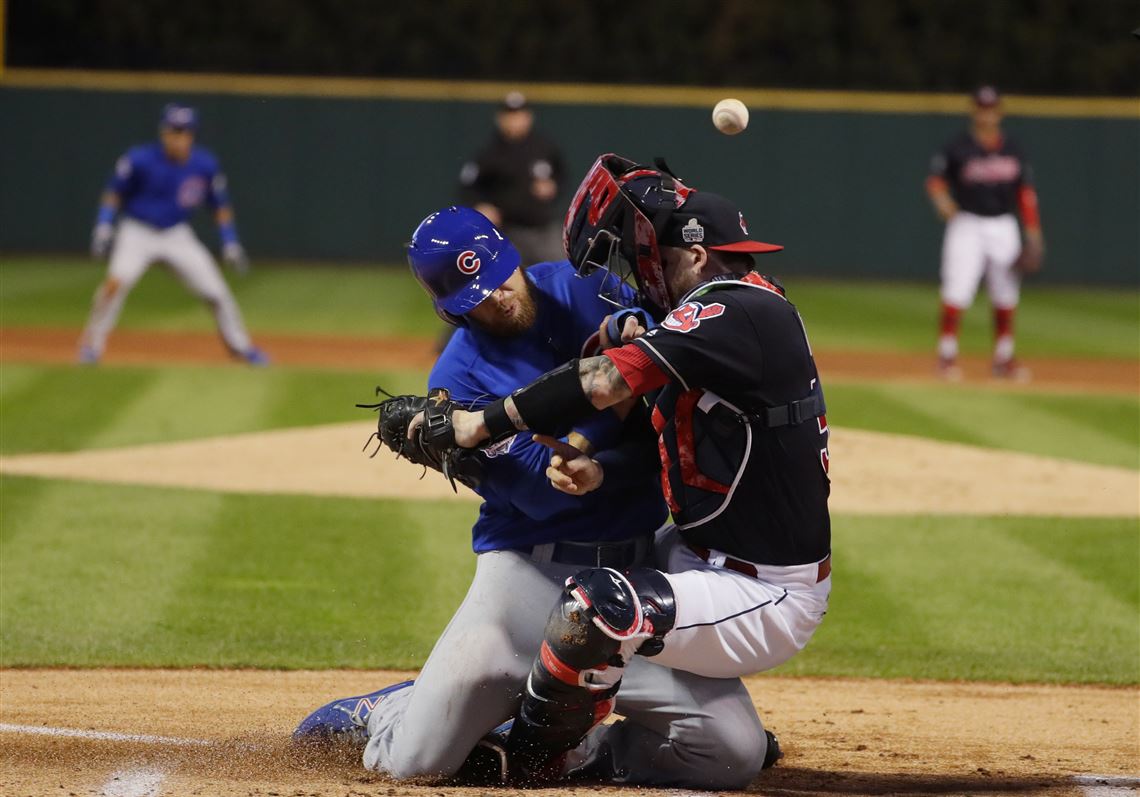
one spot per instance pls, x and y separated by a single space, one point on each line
468 262
688 316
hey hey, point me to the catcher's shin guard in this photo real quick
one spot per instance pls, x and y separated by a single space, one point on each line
602 618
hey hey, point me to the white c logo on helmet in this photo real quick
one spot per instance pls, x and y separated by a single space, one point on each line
468 262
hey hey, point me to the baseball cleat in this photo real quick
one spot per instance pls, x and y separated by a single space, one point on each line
255 356
773 753
87 356
949 369
344 720
1011 370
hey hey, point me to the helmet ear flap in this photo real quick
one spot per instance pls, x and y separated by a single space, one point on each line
449 318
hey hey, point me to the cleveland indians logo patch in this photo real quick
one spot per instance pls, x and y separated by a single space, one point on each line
688 316
468 262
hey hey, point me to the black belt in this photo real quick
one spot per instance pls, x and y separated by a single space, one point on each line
619 554
749 569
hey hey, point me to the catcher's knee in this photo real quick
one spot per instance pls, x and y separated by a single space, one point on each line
601 619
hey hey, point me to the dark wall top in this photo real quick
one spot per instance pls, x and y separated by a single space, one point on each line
348 176
1057 47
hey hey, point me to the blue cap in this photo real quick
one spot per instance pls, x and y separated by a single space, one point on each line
180 117
460 258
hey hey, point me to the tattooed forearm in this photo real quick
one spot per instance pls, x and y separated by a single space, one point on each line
602 383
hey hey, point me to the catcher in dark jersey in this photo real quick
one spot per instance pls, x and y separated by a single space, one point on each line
742 446
975 183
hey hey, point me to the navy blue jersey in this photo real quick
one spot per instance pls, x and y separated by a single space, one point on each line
161 192
521 508
982 181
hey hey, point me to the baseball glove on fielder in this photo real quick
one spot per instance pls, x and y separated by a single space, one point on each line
1031 257
432 445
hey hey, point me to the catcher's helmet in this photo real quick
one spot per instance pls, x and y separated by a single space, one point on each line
460 258
611 222
622 214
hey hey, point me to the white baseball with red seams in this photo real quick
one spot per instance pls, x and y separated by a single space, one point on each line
730 116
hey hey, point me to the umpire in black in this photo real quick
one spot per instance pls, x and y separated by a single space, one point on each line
515 179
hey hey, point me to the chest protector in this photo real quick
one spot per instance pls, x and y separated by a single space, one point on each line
705 443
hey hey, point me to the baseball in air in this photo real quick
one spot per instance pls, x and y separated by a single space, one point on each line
730 116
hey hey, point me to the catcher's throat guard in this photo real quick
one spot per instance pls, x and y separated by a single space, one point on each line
614 222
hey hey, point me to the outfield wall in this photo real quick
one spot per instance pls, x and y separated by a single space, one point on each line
344 169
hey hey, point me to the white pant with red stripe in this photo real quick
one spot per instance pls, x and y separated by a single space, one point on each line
730 624
976 246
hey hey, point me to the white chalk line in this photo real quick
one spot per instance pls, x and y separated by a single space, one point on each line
1107 785
144 782
77 733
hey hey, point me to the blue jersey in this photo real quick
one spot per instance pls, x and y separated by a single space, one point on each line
521 508
160 192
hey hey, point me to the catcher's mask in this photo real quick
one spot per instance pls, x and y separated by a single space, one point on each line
460 258
622 214
613 223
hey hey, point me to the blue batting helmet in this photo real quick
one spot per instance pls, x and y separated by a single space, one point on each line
179 117
460 258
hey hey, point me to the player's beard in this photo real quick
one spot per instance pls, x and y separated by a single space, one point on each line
522 319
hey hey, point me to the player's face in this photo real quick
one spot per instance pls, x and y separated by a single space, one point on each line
176 142
986 117
515 124
683 268
511 309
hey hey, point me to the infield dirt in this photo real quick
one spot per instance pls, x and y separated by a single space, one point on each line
840 736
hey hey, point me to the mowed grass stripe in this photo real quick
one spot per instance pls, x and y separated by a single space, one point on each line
67 408
1101 429
109 575
949 598
164 410
90 576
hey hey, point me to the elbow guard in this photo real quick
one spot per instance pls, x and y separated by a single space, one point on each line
549 405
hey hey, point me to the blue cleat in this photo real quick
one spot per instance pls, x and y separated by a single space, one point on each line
88 356
345 719
255 356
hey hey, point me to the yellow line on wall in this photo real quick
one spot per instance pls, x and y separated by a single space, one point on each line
559 93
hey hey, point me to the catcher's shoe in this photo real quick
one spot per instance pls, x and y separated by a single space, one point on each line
344 720
773 753
1011 370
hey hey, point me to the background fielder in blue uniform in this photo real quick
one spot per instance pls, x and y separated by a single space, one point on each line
155 188
680 728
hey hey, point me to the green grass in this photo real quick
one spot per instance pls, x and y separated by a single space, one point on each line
94 574
385 300
120 575
108 575
64 408
1101 429
990 598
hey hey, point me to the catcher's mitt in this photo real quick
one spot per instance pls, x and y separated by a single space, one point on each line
1031 257
432 445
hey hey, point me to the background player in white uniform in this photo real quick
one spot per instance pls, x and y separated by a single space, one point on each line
975 183
157 187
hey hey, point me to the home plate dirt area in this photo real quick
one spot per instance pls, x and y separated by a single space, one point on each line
225 733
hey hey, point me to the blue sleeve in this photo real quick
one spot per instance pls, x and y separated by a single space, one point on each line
217 195
125 176
518 476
